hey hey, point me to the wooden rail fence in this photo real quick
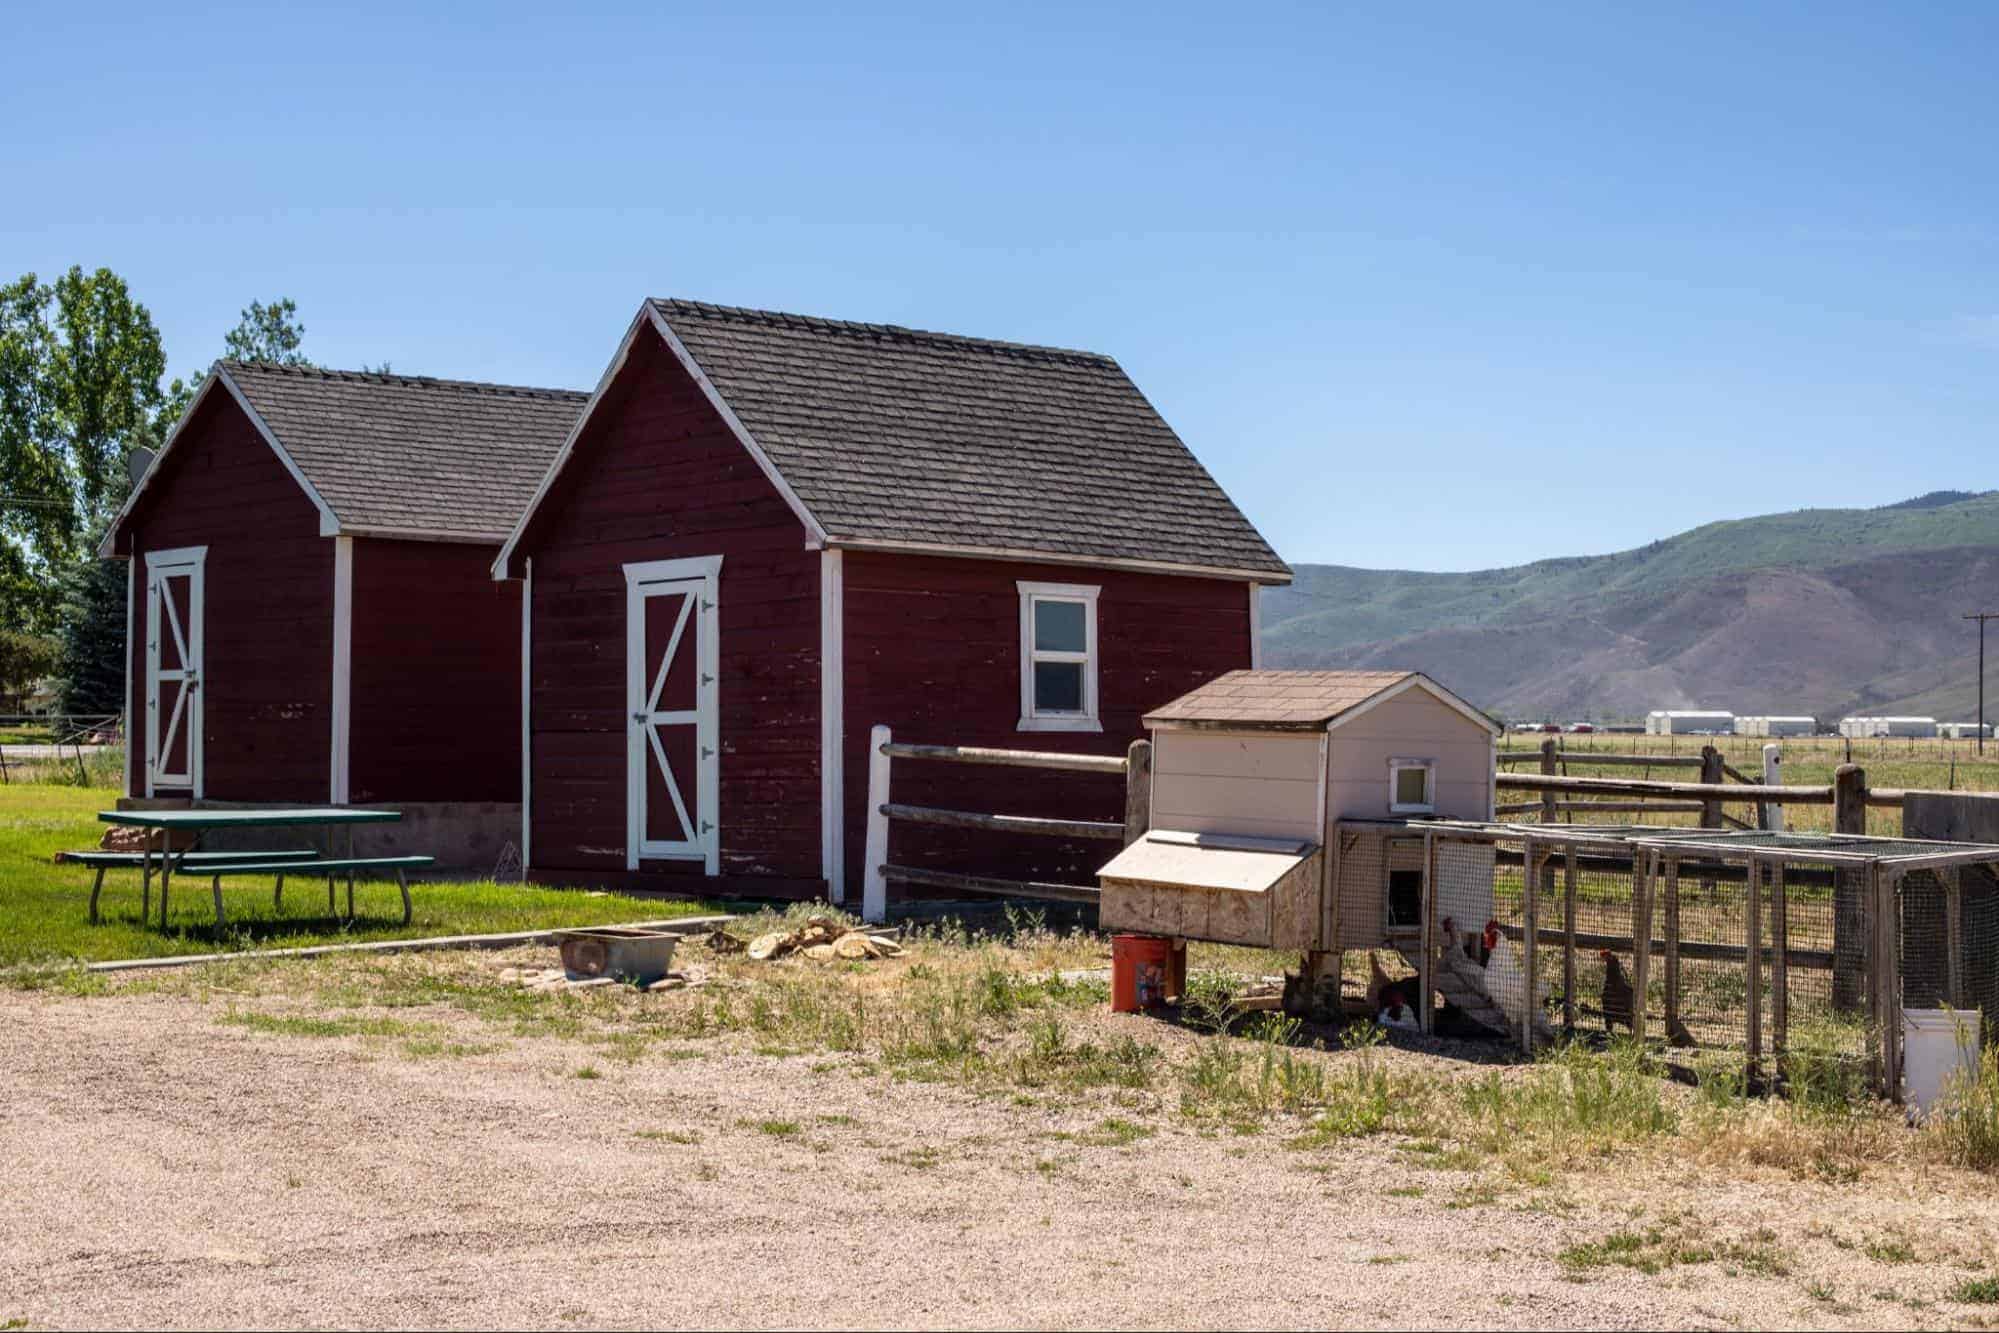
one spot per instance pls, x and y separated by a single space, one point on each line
1135 768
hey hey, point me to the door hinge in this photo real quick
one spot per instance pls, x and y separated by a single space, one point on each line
706 827
706 752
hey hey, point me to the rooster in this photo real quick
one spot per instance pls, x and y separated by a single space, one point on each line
1506 979
1617 993
1473 946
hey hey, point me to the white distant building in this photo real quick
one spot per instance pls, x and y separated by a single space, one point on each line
1776 726
1863 728
1963 731
1688 722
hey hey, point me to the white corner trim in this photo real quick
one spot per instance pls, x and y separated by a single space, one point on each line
527 717
1255 626
1415 680
561 458
815 535
125 667
339 781
1031 718
832 725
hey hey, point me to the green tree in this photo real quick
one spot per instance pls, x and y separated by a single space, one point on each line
24 659
268 333
90 665
77 391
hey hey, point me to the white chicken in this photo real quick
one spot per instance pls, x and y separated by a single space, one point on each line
1506 978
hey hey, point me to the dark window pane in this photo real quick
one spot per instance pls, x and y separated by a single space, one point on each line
1412 786
1405 897
1058 687
1058 627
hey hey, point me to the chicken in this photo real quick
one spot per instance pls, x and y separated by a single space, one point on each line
1395 1011
1472 945
1616 992
1506 978
1378 982
1677 1034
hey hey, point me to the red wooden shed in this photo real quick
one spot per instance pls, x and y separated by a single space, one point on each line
768 533
311 617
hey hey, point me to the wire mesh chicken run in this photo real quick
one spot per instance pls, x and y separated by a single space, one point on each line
1848 931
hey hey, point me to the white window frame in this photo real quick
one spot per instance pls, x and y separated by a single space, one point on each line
1428 806
1031 718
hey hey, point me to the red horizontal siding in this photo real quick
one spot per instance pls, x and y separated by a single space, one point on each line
657 475
435 695
266 680
932 648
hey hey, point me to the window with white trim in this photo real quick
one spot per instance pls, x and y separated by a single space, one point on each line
1412 786
1058 657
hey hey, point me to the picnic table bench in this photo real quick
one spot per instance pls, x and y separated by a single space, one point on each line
165 826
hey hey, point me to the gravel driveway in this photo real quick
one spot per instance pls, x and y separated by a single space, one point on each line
167 1167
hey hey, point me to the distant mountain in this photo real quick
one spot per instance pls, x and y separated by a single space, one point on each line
1823 611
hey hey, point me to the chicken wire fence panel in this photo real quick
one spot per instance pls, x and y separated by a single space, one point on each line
1946 963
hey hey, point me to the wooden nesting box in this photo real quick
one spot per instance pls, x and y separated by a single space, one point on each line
1252 775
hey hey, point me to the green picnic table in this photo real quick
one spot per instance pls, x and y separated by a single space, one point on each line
163 825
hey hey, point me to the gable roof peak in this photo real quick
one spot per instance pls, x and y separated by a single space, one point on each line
397 379
668 307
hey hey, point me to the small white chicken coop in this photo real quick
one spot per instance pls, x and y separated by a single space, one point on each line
1288 812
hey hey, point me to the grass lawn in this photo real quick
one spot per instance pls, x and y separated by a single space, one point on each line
44 908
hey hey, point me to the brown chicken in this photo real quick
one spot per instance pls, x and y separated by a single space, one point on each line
1617 993
1378 982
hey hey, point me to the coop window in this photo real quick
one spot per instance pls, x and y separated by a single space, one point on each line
1058 657
1412 786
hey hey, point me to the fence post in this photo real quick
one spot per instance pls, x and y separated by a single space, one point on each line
874 887
1548 770
1769 814
1137 791
1849 912
1711 773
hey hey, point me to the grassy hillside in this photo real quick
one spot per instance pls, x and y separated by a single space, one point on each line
1820 610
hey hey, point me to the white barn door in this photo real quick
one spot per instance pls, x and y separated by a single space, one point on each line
673 731
174 659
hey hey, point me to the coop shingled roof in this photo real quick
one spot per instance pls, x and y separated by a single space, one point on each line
896 437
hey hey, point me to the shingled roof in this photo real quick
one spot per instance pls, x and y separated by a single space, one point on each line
892 437
406 454
1260 700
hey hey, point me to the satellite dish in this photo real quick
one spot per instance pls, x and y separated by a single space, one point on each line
136 464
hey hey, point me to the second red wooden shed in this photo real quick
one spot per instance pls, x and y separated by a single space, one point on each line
769 533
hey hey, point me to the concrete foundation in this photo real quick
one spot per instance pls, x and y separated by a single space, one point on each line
466 836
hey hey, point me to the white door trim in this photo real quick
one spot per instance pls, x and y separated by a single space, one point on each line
340 782
832 725
527 718
702 576
189 562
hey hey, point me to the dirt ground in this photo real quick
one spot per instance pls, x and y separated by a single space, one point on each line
168 1166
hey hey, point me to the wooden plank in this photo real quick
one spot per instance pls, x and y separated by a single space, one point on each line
1953 930
974 754
1569 938
874 887
1603 807
1849 910
1587 758
1138 790
1672 945
1731 792
1427 1010
1753 936
989 886
1032 826
1641 929
1531 944
1780 969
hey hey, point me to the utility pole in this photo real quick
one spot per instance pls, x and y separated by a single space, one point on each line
1981 617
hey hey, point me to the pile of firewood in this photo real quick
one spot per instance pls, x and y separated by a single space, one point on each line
822 938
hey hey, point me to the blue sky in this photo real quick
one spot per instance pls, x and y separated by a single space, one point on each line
1406 278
